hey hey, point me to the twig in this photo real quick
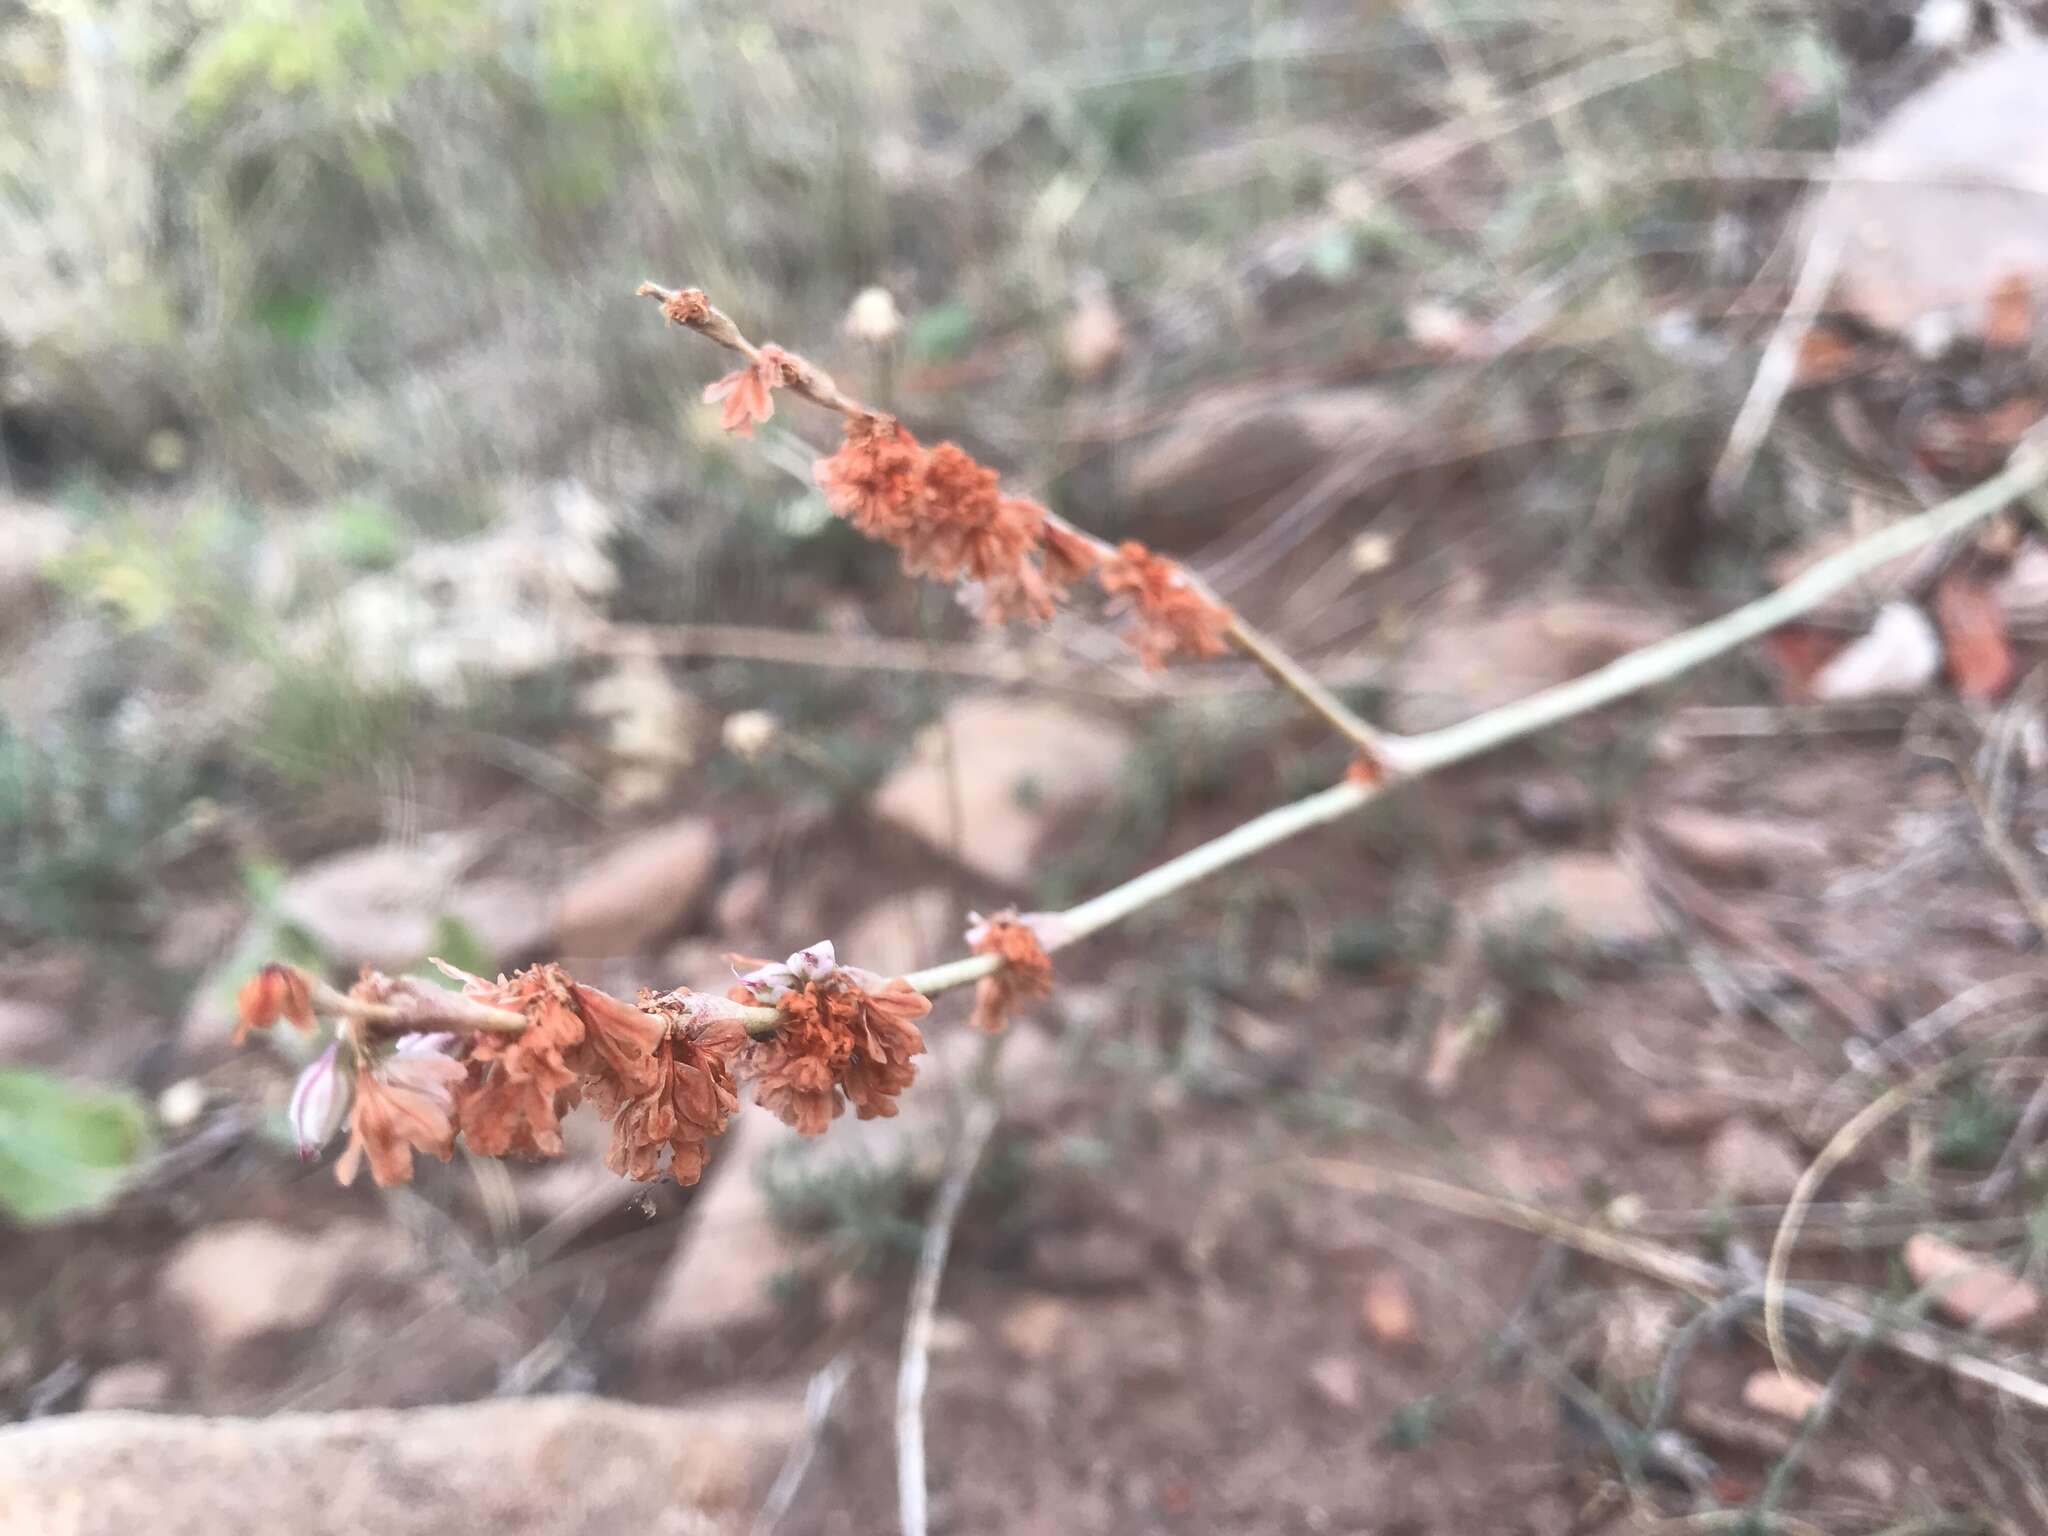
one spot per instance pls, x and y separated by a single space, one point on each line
914 1366
1735 926
881 653
2006 1173
1916 1341
819 1398
1832 1156
1775 374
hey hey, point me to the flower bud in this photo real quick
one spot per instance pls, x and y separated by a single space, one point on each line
320 1101
273 993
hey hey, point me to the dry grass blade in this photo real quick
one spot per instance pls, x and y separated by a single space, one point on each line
914 1367
1900 1336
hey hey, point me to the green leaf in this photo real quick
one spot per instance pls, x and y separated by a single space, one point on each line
64 1150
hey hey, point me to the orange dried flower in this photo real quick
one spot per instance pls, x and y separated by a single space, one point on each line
1068 556
961 503
1168 612
686 306
273 993
1026 972
688 1098
746 390
846 1036
404 1103
796 1073
576 1037
875 479
886 1036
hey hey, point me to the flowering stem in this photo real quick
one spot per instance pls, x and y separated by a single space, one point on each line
1292 676
1414 757
689 308
458 1012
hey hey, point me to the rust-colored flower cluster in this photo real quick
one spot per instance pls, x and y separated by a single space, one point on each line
948 515
846 1036
499 1064
414 1065
1026 973
688 1097
1168 612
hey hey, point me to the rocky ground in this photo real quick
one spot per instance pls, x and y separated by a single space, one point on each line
1628 982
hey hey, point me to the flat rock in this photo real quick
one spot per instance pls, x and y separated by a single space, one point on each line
1943 203
133 1385
1745 1162
717 1292
1746 848
577 1466
630 897
1462 665
1969 1288
233 1290
1594 900
383 906
904 931
1016 765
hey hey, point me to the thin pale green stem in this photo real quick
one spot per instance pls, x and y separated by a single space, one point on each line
1413 757
1291 675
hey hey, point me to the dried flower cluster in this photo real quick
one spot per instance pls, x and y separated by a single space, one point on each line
949 517
499 1064
846 1036
1026 974
414 1065
946 512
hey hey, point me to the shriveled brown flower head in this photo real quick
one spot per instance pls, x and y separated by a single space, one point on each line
689 1097
1168 613
273 993
521 1084
846 1036
404 1103
946 513
1027 969
747 391
875 479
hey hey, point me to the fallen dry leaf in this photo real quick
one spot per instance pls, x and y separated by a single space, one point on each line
1973 636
